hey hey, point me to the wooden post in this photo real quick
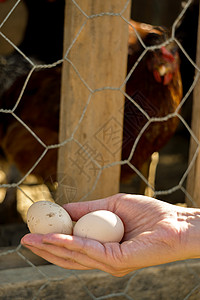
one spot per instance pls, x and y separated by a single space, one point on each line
95 50
193 180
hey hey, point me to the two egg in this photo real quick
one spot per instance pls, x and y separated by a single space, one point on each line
48 217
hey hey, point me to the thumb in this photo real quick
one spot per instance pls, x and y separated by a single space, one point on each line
79 209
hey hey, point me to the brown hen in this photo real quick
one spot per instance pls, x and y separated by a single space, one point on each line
156 89
39 110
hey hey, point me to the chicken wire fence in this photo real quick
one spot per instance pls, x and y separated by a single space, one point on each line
77 284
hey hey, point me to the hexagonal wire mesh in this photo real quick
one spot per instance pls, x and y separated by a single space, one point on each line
17 70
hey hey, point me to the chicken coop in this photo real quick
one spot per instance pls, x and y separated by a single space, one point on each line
96 98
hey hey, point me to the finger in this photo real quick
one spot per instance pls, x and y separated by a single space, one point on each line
35 242
59 261
77 210
75 257
58 251
90 253
65 244
92 248
31 238
71 265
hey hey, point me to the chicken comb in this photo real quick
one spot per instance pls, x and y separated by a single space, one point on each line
166 54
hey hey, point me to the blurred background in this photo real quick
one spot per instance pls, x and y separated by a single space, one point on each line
173 159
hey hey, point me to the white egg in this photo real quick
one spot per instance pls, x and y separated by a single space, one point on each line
48 217
101 225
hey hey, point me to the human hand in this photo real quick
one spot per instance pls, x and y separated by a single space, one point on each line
155 233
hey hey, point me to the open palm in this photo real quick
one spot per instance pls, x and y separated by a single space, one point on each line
152 236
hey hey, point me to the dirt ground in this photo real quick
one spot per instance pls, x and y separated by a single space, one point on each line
169 282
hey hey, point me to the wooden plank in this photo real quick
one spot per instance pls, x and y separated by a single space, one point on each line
194 174
96 60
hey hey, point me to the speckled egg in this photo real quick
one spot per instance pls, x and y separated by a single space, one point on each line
101 225
48 217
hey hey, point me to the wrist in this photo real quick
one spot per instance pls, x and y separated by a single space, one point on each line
190 233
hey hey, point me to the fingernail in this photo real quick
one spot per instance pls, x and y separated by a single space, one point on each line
31 239
26 240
